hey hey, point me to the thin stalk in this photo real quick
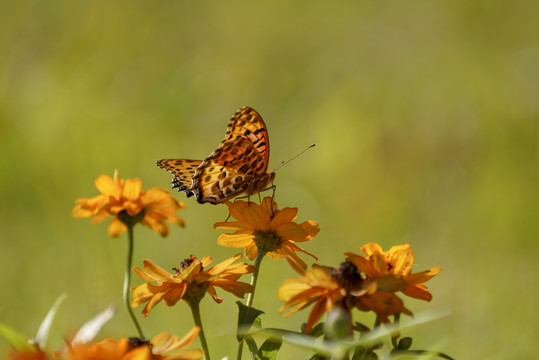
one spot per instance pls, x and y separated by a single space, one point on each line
250 297
127 279
195 310
254 278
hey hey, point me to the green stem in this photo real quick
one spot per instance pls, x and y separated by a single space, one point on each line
195 310
127 280
254 278
250 297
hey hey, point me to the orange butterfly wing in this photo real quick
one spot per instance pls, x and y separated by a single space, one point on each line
238 165
183 171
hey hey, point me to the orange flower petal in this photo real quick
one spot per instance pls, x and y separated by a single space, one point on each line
318 310
175 294
418 291
291 231
256 216
148 292
219 268
213 294
269 205
423 276
251 251
80 211
235 209
237 288
166 342
152 272
310 227
286 215
239 239
404 261
362 264
107 186
371 248
157 226
132 189
228 225
116 228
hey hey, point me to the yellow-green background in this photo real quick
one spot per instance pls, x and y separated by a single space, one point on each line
424 114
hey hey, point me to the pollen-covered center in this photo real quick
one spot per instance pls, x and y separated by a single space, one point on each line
267 241
348 276
185 264
137 342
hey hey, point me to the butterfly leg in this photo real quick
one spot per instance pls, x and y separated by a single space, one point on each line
272 187
248 197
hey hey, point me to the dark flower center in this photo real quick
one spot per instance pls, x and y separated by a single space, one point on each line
267 241
138 342
129 220
348 276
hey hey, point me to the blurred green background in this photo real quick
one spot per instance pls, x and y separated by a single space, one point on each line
424 114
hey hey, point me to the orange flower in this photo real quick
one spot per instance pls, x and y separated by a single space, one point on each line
128 203
268 229
393 269
190 282
35 354
345 287
135 349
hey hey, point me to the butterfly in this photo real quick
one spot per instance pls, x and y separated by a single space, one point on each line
239 165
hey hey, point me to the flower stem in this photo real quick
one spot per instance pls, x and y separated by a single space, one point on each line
127 280
254 278
250 297
195 310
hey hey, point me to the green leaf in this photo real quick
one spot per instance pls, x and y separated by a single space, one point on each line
318 357
317 330
269 349
17 340
246 318
257 323
361 328
252 346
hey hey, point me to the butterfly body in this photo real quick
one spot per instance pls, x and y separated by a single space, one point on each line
239 165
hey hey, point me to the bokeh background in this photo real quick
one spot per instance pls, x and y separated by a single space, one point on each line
424 114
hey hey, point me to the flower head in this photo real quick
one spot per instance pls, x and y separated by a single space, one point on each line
128 204
327 287
190 282
164 346
266 228
393 268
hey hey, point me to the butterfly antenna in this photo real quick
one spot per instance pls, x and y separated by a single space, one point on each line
283 163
